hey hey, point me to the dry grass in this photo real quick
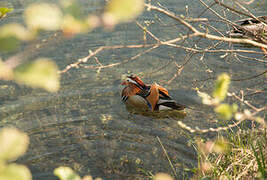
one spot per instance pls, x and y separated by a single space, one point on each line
245 159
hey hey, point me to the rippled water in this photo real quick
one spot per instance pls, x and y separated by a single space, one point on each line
85 125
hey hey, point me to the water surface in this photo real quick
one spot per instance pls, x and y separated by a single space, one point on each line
85 126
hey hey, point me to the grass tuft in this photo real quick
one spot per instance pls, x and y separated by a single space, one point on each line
246 158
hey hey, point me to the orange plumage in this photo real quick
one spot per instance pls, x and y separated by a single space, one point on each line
142 96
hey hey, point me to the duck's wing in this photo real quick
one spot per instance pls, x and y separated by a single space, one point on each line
248 21
165 102
169 105
152 96
163 93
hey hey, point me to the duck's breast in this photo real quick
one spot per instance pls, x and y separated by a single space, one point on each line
137 101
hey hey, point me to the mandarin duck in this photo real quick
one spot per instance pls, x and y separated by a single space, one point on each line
147 97
255 29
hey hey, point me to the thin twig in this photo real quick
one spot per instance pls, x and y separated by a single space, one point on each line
206 35
122 62
147 31
98 50
232 9
251 77
245 102
243 117
166 154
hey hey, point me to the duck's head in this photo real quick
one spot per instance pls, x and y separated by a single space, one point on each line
133 80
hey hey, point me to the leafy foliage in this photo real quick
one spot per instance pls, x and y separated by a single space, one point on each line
10 34
15 172
225 111
4 11
40 73
66 173
221 87
13 144
43 73
226 158
118 11
43 16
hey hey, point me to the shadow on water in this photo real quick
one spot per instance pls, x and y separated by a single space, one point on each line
85 125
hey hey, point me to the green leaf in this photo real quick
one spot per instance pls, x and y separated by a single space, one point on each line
8 43
221 146
43 16
225 111
73 20
41 73
4 11
17 31
66 173
122 10
221 87
73 26
72 8
13 144
11 33
15 172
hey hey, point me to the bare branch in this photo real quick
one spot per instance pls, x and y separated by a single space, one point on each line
206 35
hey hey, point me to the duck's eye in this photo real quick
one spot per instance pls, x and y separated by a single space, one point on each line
128 80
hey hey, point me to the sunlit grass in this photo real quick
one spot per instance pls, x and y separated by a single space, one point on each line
246 158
